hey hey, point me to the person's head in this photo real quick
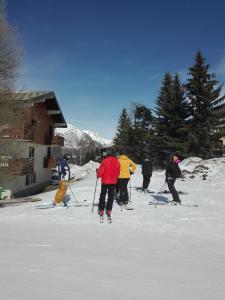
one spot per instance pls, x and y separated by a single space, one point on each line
175 158
111 152
104 154
122 153
66 156
146 156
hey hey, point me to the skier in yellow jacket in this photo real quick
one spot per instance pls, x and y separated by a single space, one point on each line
127 168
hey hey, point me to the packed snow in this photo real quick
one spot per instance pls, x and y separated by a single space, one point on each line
159 253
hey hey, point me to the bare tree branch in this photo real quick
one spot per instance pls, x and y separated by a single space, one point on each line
10 51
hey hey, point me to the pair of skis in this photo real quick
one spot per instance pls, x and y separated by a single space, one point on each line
140 189
53 205
124 206
109 219
170 203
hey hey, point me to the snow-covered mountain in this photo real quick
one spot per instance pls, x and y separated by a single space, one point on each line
77 138
96 137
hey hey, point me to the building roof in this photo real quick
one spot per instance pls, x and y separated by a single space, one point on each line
32 97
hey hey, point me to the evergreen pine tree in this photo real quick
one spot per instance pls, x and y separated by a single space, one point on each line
122 138
203 94
87 157
142 123
158 144
97 154
178 118
170 125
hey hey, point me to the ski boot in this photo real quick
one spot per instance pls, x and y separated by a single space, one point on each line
101 214
109 219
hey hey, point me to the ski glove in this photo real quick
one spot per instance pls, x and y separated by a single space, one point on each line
169 179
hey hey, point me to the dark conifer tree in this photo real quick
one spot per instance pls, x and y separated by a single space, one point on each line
203 95
142 124
171 121
122 139
87 158
158 144
178 118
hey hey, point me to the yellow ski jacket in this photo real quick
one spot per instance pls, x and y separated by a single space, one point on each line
126 166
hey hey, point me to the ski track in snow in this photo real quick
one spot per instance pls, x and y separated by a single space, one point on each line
159 253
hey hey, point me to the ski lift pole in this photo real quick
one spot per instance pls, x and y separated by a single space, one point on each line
94 195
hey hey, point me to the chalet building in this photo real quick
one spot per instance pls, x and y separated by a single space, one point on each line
29 149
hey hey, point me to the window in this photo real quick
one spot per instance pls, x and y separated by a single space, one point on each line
31 151
49 152
50 131
30 178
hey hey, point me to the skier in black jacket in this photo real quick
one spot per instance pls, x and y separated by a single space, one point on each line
146 172
172 173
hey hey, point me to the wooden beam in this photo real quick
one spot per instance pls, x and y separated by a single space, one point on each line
54 112
59 124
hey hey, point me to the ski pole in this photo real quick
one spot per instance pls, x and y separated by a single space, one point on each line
130 188
161 188
94 195
72 193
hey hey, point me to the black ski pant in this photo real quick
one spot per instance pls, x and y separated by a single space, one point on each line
117 187
146 181
173 191
122 184
104 188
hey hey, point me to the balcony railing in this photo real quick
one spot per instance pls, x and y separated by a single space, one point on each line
16 166
16 132
58 140
50 162
54 140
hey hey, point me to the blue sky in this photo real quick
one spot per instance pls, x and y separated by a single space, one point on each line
101 55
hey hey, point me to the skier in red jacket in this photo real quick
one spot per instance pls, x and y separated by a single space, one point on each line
108 171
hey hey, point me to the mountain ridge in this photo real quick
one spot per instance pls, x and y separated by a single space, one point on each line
77 138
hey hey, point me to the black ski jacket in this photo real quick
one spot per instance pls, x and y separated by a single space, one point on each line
147 167
172 171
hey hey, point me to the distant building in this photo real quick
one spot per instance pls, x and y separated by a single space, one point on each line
29 149
219 110
223 140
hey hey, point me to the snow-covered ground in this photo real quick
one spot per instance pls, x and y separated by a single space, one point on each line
158 253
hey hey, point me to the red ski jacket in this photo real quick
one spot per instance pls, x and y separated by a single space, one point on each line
109 170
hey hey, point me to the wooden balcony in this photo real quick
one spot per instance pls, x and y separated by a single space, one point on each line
50 162
54 140
16 166
21 131
9 131
58 140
